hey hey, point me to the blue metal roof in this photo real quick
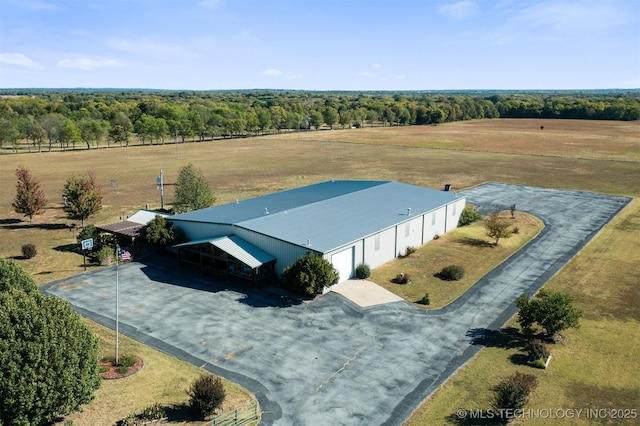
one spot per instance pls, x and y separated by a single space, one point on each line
328 214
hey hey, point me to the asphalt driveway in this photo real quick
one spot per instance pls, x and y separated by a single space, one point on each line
330 361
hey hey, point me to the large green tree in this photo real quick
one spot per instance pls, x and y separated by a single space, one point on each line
49 358
159 232
552 310
192 191
82 196
310 274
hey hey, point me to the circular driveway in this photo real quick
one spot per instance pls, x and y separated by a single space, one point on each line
330 361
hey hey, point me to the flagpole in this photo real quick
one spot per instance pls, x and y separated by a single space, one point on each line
117 307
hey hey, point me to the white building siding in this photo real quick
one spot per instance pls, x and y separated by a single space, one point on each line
380 248
408 234
454 210
433 224
344 262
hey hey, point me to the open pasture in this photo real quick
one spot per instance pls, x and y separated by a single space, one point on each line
593 156
242 168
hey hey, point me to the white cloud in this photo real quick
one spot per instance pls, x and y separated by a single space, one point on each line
566 16
399 77
144 46
87 64
365 74
460 10
17 59
376 65
272 72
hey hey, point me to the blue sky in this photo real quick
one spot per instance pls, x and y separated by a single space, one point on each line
320 44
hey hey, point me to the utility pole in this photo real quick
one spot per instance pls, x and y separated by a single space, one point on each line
160 181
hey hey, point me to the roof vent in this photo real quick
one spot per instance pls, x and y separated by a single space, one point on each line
409 211
266 210
309 242
237 201
447 187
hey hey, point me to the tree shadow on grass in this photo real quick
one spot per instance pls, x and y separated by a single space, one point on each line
475 242
480 419
45 226
68 248
182 413
506 338
12 221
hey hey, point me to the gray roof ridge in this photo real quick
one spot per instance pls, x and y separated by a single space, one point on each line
319 202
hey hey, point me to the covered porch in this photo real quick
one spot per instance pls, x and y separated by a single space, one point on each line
227 257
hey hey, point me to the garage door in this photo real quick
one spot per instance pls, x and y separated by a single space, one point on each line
343 263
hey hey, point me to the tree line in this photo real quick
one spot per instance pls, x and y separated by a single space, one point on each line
39 120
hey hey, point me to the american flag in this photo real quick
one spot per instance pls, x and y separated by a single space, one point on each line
125 255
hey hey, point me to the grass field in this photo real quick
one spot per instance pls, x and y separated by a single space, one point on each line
595 368
466 246
580 155
163 379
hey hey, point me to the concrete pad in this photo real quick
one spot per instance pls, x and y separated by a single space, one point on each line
365 293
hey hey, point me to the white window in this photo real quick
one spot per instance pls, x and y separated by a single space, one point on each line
433 218
376 242
453 210
407 229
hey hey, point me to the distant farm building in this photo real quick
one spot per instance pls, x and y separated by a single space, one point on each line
347 222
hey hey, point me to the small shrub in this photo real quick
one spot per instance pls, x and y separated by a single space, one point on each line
152 412
207 393
106 256
540 363
402 278
515 230
435 237
363 271
104 369
29 251
409 251
425 300
468 216
452 273
126 361
537 350
122 370
512 393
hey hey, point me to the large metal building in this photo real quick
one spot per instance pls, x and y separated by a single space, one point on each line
348 222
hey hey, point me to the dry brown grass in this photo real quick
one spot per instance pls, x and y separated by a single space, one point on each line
596 156
247 167
163 379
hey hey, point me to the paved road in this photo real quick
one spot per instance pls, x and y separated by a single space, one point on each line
330 361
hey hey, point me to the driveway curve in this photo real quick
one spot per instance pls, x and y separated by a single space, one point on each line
330 361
